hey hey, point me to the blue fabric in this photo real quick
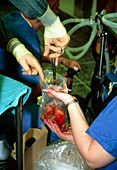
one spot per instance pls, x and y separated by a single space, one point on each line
111 77
31 119
10 92
29 37
104 131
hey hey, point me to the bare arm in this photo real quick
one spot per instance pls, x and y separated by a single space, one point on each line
92 152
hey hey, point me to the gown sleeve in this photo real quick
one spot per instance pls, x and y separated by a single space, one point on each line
5 35
33 8
36 9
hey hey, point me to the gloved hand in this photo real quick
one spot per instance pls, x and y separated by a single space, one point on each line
55 34
30 64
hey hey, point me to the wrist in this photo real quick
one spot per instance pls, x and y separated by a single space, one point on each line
17 48
56 30
74 100
48 18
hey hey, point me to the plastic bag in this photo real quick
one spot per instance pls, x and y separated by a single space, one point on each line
60 156
52 108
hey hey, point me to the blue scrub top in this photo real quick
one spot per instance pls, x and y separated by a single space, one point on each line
104 131
29 37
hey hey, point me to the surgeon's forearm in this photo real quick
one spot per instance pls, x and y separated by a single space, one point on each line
36 9
41 10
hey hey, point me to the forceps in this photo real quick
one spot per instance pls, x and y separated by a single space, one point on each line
54 70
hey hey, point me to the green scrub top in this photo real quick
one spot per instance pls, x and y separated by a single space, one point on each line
5 35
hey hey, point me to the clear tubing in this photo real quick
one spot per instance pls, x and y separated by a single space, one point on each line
81 23
77 49
83 48
110 20
76 27
94 9
74 20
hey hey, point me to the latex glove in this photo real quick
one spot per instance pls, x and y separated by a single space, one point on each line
56 39
30 64
69 63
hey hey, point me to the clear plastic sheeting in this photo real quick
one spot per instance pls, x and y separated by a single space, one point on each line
52 108
60 155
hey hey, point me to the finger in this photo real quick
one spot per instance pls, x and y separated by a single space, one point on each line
48 124
34 72
56 62
52 126
39 70
54 55
65 88
58 88
47 50
57 49
27 69
57 129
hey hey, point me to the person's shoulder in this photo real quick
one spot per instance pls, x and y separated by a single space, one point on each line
13 14
12 17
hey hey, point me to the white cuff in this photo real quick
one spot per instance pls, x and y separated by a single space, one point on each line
17 48
19 51
55 30
48 18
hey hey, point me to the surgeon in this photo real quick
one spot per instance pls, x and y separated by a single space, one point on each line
31 66
25 29
55 35
22 55
25 58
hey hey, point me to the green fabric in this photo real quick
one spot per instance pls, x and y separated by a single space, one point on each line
5 35
32 8
36 9
10 92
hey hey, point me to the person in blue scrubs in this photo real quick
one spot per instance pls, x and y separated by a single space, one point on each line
97 143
